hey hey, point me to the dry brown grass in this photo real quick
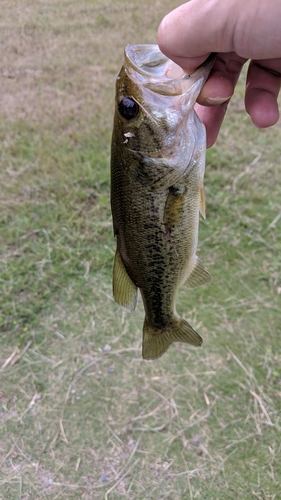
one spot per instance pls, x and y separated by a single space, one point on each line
60 59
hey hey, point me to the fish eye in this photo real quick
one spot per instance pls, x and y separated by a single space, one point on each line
128 108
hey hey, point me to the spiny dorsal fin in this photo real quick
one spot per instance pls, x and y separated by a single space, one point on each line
202 206
124 289
199 275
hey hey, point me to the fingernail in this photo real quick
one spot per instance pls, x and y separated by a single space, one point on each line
215 101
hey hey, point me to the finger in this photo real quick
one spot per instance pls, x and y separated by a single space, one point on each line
212 117
222 80
217 92
193 30
183 36
262 89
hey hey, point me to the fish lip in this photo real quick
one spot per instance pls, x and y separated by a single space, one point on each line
138 57
150 67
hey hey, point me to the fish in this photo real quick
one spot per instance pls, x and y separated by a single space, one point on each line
158 152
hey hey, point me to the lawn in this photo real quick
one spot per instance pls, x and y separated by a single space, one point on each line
82 416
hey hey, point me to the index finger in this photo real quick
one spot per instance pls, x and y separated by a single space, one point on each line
222 80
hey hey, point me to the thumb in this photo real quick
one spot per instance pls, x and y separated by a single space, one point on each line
249 28
189 33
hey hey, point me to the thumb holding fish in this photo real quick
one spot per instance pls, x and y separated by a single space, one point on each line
237 31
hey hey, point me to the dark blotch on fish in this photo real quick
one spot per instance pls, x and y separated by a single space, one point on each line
157 177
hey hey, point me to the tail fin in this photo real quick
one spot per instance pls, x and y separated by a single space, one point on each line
156 341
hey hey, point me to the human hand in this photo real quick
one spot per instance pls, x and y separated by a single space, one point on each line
238 31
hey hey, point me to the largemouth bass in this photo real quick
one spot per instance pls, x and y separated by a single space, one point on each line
157 175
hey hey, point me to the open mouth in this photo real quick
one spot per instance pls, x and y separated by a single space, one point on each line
149 61
146 64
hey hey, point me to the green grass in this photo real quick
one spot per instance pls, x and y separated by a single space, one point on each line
81 414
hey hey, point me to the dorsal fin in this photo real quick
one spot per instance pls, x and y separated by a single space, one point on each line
202 206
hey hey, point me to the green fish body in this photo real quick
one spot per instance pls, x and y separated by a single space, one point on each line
157 175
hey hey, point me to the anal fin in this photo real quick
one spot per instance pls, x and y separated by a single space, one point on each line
199 275
124 289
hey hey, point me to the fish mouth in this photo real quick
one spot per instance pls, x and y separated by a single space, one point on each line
148 66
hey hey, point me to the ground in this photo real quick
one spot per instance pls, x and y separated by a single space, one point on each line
81 414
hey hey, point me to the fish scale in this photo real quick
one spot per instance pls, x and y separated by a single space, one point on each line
157 174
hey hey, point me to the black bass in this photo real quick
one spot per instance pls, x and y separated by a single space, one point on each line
157 174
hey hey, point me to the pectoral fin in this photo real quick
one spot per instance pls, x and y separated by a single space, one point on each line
174 208
199 275
124 289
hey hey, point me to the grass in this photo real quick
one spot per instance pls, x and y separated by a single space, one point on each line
81 414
